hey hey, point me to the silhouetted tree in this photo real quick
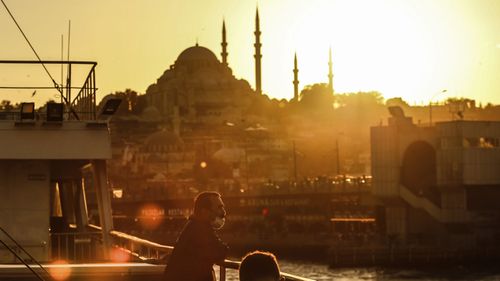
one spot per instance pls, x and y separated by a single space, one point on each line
316 97
397 101
129 101
465 102
6 105
132 102
360 99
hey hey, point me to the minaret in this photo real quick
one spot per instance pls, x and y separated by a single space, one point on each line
258 56
295 79
224 43
330 72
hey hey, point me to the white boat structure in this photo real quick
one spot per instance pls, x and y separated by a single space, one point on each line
51 160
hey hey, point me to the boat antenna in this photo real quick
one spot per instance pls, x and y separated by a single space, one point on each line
69 36
68 82
56 86
62 66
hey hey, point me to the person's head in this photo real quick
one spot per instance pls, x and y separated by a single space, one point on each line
259 266
208 206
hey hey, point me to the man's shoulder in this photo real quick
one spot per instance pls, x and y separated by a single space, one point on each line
195 228
198 224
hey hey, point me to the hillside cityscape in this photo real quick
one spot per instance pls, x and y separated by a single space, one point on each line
348 179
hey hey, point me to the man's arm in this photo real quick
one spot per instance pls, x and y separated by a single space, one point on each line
212 248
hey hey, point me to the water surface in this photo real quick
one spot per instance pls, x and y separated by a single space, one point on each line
318 271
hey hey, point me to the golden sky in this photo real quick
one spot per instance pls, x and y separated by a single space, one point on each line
412 49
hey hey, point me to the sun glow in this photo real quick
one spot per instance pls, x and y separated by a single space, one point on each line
60 270
407 49
151 216
411 48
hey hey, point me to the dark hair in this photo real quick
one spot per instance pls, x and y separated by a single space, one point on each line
259 265
202 200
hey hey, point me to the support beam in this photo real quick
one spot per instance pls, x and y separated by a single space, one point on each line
103 203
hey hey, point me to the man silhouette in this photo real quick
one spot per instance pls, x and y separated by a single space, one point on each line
198 247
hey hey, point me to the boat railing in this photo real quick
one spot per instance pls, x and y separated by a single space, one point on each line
150 251
139 248
76 246
79 100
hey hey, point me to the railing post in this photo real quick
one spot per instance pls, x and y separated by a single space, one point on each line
66 255
75 247
222 273
58 246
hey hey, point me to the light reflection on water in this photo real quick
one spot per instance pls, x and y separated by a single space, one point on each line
322 272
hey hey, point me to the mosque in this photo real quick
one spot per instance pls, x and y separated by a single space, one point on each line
197 112
200 89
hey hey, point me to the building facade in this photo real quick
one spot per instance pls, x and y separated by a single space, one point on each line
438 183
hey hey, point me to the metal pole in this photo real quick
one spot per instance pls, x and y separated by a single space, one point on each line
430 113
338 156
294 163
222 273
68 86
103 203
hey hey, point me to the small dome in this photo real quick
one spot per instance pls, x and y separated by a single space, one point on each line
158 177
196 54
229 155
162 138
151 113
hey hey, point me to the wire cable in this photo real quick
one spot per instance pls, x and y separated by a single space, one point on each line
56 86
32 48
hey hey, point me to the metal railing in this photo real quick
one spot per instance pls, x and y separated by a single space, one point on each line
76 246
149 251
140 248
81 106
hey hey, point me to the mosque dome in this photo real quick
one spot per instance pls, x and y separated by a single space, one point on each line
163 140
229 155
151 113
196 55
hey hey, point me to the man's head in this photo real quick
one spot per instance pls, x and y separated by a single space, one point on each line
259 266
208 206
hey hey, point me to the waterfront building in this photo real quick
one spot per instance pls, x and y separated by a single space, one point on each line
438 184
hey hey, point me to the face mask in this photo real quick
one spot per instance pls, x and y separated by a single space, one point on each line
218 222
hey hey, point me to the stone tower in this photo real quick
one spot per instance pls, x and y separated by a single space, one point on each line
295 79
258 55
224 44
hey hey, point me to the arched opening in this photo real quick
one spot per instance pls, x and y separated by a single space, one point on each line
418 171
